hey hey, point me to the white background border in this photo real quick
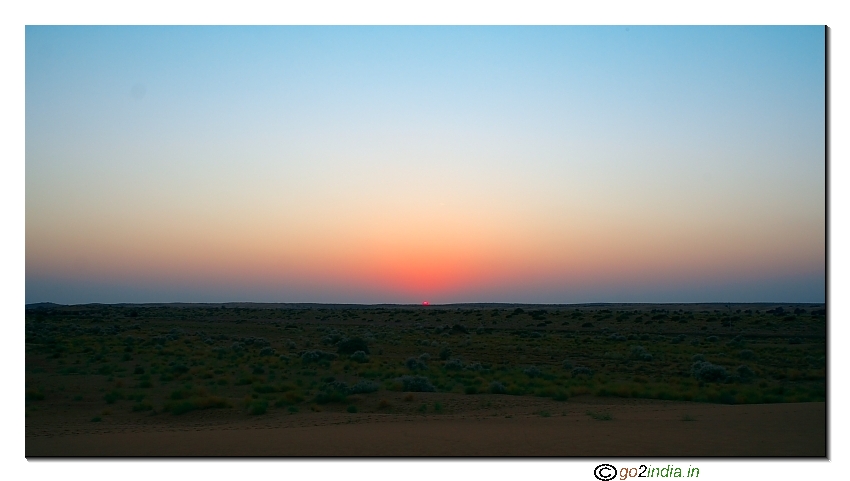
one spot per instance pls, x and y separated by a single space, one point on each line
12 174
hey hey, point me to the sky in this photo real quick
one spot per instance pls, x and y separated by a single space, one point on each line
405 164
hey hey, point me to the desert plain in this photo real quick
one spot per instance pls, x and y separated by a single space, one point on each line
458 380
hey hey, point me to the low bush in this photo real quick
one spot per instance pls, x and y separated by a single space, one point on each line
350 346
258 406
415 364
315 356
416 384
453 365
745 373
498 388
142 406
359 356
113 396
638 353
364 387
474 366
708 372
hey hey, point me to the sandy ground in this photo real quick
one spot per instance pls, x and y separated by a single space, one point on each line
520 427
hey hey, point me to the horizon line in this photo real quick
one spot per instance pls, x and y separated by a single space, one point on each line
35 305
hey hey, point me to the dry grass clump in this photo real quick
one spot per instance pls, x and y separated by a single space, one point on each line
600 416
416 384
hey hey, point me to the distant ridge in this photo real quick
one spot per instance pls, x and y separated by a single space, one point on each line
44 305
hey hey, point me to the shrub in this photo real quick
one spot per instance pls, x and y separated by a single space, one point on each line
359 356
475 366
416 384
745 373
445 353
567 364
179 369
453 365
640 354
267 351
264 389
259 406
113 396
532 372
350 346
415 364
746 354
708 372
316 356
497 388
534 335
332 338
678 339
616 337
364 387
351 408
142 406
458 329
697 357
712 338
582 371
614 356
237 347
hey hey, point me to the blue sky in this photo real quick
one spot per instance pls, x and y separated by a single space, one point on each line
390 164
